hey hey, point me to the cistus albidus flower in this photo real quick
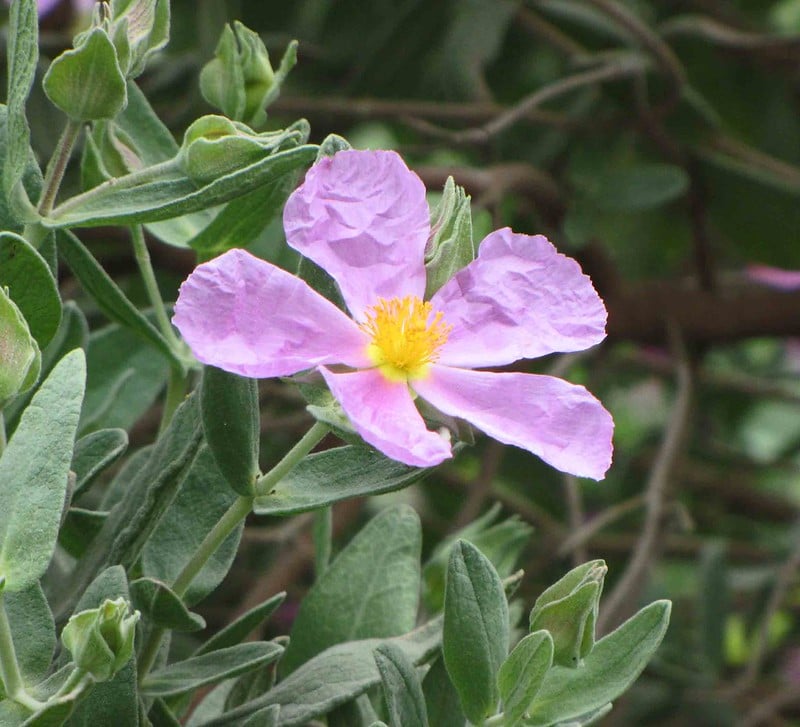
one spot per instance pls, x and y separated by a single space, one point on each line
362 216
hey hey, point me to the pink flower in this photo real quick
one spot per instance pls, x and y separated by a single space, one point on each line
363 217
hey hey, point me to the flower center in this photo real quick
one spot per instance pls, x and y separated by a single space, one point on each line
406 336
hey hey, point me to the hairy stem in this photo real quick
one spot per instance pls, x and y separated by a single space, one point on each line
57 166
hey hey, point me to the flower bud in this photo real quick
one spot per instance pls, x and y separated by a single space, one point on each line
450 245
139 28
568 610
101 639
214 146
239 80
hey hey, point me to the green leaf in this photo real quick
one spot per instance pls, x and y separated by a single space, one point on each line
238 631
33 474
244 218
161 606
441 698
148 495
23 56
501 542
148 196
33 632
401 688
86 83
232 425
186 676
334 677
93 453
713 604
125 377
522 673
79 529
202 499
370 590
607 671
333 475
634 188
20 359
109 298
476 629
31 286
267 717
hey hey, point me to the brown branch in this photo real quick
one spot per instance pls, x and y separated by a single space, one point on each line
625 594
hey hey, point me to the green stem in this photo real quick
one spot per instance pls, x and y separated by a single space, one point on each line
73 680
151 286
9 667
311 439
134 179
57 166
323 532
3 440
176 390
224 527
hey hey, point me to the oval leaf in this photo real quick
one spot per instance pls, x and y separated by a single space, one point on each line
476 630
186 676
333 475
522 673
231 422
401 687
162 607
370 590
31 286
33 474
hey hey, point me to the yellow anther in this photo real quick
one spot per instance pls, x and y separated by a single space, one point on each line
406 336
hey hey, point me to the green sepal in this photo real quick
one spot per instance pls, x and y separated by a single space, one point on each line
476 629
20 358
100 640
450 247
232 425
568 610
86 83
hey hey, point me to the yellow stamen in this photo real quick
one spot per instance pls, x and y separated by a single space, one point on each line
406 336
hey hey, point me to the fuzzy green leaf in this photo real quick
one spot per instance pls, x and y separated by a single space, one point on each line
401 687
33 474
232 425
370 590
476 629
522 673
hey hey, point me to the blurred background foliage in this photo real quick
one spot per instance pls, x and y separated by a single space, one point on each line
658 142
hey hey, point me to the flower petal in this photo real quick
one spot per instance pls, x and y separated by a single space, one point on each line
519 299
363 217
384 414
560 422
247 316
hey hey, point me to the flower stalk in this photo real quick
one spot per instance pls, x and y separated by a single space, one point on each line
9 666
